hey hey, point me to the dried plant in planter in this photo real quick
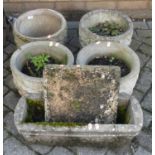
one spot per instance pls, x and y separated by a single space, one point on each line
35 64
108 28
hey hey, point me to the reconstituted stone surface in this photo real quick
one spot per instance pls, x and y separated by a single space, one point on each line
75 94
14 144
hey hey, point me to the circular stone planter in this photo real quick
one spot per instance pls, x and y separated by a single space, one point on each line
120 51
40 25
25 84
99 16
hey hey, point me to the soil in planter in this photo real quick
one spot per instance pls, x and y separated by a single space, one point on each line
35 114
111 61
108 28
30 69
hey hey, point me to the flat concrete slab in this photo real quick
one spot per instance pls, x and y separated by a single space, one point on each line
83 94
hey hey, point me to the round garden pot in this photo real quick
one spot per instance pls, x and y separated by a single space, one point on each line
40 25
119 51
25 84
100 16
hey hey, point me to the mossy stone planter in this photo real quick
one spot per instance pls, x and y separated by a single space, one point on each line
100 134
32 85
120 51
99 16
40 25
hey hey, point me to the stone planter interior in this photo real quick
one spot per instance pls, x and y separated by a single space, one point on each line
32 25
39 25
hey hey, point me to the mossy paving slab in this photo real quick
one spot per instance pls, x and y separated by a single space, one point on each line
86 94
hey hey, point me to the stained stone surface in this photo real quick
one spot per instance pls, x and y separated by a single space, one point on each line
141 145
81 94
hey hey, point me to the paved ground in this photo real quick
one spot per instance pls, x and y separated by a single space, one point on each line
141 145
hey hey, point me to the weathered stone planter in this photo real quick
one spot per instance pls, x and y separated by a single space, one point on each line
27 84
120 51
40 25
104 134
99 16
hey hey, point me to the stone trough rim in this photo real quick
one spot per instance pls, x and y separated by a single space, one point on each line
121 14
105 129
58 14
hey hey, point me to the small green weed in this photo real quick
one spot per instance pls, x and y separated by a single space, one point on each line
39 61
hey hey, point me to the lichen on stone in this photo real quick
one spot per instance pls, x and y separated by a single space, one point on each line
76 104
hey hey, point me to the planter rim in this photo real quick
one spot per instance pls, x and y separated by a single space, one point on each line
19 51
105 43
124 16
63 25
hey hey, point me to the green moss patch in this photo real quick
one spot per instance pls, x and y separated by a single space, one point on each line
60 124
123 116
35 111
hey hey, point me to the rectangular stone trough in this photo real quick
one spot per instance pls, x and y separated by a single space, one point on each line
100 134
